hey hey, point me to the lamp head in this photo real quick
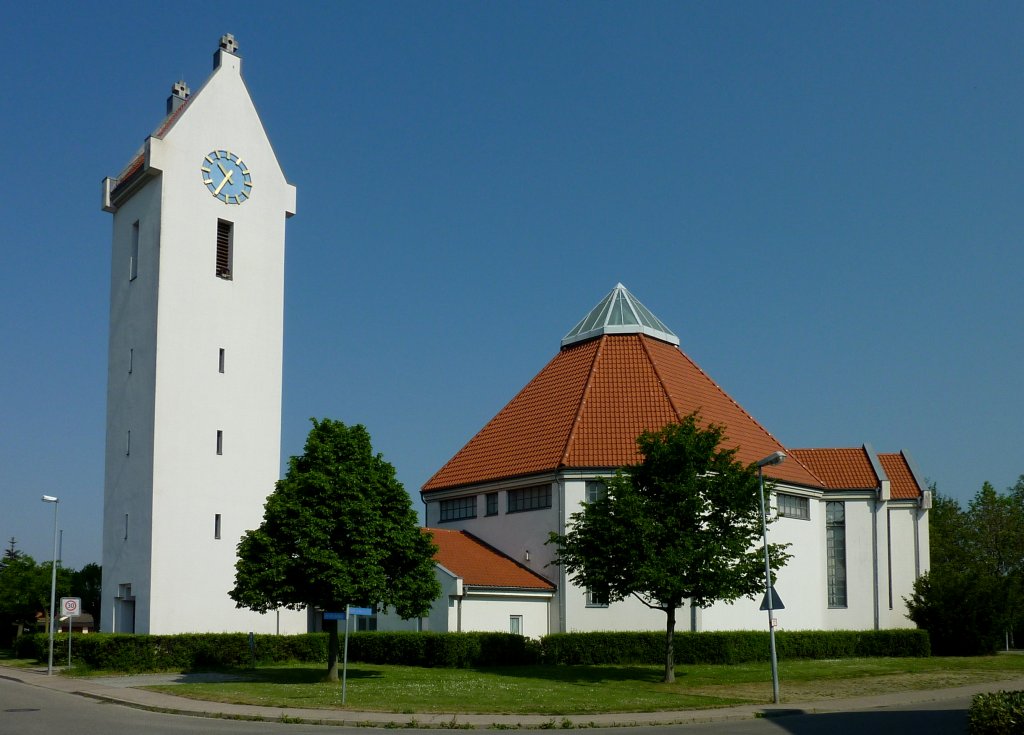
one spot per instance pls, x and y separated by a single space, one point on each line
773 458
50 499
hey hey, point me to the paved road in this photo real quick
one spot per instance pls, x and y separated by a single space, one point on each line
34 710
31 702
29 710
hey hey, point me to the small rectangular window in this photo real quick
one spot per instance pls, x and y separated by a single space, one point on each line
457 509
515 624
131 360
133 258
596 599
595 490
128 443
492 504
225 242
220 442
216 526
793 506
220 361
529 498
125 526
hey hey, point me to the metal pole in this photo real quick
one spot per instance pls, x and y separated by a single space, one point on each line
344 665
53 581
768 589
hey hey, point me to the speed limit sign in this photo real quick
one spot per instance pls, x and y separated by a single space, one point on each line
71 606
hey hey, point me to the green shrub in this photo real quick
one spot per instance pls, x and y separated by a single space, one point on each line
136 653
729 647
1000 713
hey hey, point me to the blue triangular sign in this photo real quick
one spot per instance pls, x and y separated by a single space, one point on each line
776 601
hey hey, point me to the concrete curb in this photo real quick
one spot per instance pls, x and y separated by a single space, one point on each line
125 694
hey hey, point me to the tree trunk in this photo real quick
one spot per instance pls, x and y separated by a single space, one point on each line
332 650
670 655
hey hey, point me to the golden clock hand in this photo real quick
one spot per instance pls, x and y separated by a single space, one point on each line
222 169
225 180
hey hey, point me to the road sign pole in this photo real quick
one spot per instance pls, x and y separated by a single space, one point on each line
344 665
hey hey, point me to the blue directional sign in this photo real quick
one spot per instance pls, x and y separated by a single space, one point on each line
334 616
360 611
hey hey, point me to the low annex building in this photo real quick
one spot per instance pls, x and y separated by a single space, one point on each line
857 521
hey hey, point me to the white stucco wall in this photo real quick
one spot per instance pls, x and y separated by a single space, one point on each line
802 583
196 315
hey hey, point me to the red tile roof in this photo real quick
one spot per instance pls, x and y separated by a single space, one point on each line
902 485
481 565
135 165
588 405
840 469
850 469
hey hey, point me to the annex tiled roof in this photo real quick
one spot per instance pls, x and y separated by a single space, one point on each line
588 405
481 565
840 469
902 483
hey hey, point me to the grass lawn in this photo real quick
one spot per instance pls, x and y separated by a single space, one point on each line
567 690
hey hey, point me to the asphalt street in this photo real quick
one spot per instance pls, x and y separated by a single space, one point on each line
34 710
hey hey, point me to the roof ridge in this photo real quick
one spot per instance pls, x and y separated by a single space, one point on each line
731 399
661 382
583 401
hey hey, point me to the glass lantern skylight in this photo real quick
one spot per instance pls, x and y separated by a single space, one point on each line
619 313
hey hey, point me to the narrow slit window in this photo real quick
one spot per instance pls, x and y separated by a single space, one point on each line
216 526
220 442
131 360
220 360
133 258
225 238
125 526
128 443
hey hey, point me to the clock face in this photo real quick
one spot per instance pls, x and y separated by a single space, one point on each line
227 178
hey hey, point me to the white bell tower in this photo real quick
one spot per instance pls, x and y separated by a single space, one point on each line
194 376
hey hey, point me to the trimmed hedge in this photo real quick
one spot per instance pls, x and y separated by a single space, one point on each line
1000 713
731 647
134 653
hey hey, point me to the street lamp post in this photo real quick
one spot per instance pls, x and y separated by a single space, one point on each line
53 579
771 459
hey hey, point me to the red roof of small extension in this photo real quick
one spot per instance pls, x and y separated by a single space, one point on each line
850 469
902 485
481 565
840 469
586 408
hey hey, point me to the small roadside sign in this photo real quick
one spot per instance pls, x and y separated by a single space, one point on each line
360 611
71 606
776 601
334 616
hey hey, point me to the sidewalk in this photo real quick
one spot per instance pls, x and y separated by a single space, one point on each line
122 690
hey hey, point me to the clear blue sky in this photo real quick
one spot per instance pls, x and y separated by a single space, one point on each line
823 200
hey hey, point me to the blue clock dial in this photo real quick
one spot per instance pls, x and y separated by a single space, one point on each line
227 177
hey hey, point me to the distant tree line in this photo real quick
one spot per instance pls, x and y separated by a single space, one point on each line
25 591
972 600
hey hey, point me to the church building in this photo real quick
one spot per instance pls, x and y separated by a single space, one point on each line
856 520
195 356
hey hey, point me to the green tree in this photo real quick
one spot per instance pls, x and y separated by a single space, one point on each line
339 529
10 553
25 593
972 596
684 524
87 583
